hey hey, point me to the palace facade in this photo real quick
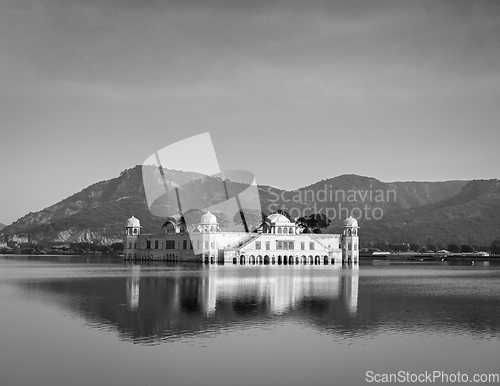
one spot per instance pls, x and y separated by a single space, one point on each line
276 241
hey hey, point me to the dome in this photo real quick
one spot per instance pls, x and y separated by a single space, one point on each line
208 218
350 222
133 222
277 218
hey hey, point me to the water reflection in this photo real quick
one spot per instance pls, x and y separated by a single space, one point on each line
149 303
133 287
279 291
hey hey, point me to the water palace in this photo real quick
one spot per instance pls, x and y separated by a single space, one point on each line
276 241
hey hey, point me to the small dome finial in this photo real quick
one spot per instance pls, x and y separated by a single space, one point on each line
208 218
133 222
350 222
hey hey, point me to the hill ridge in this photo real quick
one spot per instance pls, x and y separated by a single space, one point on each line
442 211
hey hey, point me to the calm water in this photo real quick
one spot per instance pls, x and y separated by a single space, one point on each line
96 321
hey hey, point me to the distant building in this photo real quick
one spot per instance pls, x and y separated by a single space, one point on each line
14 240
20 239
276 241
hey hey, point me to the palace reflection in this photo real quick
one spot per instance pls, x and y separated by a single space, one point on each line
278 291
133 288
149 305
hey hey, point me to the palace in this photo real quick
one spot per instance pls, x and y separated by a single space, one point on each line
276 241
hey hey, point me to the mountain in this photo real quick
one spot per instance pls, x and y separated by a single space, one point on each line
423 212
373 197
97 213
2 226
470 217
408 194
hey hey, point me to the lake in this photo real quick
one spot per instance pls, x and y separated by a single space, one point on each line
90 320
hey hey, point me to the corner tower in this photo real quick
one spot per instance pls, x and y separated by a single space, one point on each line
208 228
132 233
350 241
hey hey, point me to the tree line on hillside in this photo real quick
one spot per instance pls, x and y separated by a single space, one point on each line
493 248
82 248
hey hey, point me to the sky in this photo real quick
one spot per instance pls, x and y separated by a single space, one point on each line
293 91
